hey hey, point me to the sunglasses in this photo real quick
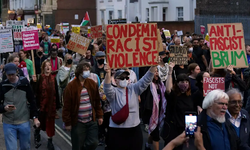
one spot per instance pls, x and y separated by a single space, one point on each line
122 78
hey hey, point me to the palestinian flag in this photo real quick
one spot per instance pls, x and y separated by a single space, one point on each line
85 19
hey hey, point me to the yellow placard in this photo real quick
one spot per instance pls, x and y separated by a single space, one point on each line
55 40
76 30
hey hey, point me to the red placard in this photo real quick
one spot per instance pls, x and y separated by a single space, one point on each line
30 40
213 83
96 32
132 45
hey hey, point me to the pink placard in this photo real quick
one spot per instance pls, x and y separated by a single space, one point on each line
213 83
30 40
202 29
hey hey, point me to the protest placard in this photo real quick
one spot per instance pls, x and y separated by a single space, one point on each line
179 33
202 29
178 55
65 28
78 43
167 33
55 40
6 41
30 40
76 29
132 45
227 45
160 46
96 32
213 83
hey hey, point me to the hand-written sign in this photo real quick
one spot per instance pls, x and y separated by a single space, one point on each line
132 45
76 29
227 45
96 32
6 41
178 55
160 46
213 83
30 40
78 43
55 40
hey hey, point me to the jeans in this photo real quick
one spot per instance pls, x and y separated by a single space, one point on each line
84 136
14 132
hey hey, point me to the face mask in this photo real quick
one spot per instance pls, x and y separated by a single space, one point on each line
69 61
100 61
86 74
123 83
165 59
191 49
183 87
40 53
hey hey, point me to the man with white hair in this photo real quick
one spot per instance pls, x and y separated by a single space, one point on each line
218 134
237 116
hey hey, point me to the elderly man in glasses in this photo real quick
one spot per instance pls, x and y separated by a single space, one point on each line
217 132
237 116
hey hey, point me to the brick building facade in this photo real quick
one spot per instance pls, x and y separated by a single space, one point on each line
70 10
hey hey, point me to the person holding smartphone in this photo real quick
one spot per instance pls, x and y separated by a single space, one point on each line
15 94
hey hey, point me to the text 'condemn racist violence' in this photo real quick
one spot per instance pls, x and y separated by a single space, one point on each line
132 45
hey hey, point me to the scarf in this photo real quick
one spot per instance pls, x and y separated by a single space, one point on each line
157 118
53 68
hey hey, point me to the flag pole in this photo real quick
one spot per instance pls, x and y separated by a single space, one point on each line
89 19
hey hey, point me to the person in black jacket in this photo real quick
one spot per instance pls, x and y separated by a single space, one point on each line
238 117
218 133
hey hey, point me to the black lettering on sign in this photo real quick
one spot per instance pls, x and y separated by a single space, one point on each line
178 55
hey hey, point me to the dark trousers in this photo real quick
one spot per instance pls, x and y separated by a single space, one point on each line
103 129
84 136
125 138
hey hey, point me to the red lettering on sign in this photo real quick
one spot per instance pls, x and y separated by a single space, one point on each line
135 58
108 35
126 45
132 30
127 63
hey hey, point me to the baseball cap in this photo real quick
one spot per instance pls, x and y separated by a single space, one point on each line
120 72
100 54
162 52
10 68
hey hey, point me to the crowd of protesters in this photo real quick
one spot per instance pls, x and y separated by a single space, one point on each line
103 106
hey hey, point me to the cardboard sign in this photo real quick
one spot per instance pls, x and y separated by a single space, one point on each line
213 83
76 29
6 41
30 40
179 33
132 45
78 43
202 29
96 32
160 46
227 45
178 55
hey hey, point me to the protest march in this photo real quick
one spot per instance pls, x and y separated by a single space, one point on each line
124 85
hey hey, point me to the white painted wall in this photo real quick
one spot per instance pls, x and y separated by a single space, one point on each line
131 10
109 5
24 4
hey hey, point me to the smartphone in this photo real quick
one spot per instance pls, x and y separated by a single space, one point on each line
190 123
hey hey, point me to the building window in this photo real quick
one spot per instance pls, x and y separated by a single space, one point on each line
110 15
119 14
101 1
164 14
180 13
5 3
147 14
109 0
154 14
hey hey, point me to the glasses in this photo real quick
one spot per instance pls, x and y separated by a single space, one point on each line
122 78
235 102
222 104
